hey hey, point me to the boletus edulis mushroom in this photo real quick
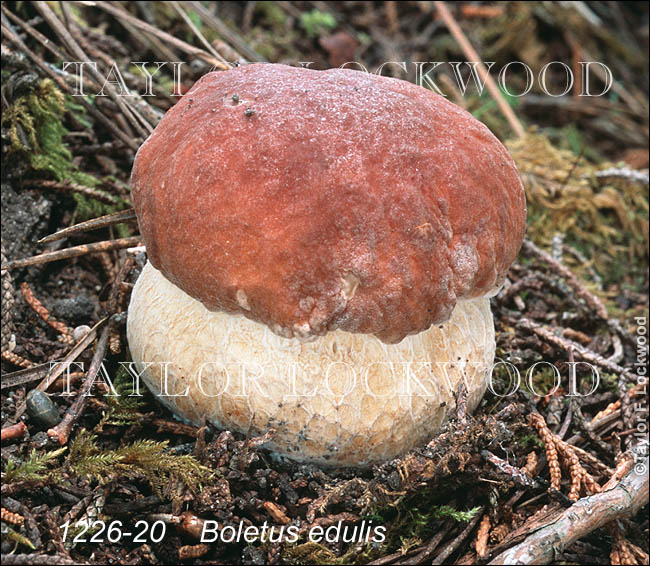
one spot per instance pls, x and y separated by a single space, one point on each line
322 247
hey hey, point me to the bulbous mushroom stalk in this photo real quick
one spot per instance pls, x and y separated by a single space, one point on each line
322 244
340 399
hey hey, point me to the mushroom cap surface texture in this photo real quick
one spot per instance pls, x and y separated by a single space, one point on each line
314 201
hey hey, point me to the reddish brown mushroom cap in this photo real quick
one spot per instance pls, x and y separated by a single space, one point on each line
316 200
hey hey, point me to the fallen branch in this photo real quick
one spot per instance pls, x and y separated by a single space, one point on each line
546 544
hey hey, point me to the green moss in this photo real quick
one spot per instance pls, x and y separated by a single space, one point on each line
124 407
35 468
271 15
36 135
606 220
35 127
142 459
316 23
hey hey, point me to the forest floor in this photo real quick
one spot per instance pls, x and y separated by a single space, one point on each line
496 485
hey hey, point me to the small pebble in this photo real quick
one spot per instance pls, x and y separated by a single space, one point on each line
80 331
41 408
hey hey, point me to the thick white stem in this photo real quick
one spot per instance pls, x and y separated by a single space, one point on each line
340 399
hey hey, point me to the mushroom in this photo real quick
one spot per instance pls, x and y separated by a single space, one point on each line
322 248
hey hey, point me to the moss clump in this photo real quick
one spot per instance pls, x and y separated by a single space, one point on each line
35 468
316 23
124 408
36 133
605 219
36 128
142 459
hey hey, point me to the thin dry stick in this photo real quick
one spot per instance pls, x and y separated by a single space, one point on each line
430 548
138 122
484 74
580 351
394 557
8 32
454 544
52 376
61 432
37 35
150 113
14 432
519 475
584 428
97 194
196 31
622 469
76 251
131 108
619 88
116 291
546 544
224 31
94 224
20 377
594 302
88 82
121 14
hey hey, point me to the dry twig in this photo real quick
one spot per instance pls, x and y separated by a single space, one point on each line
546 544
581 291
580 351
124 16
484 74
94 224
76 251
64 365
480 544
61 432
14 432
452 546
